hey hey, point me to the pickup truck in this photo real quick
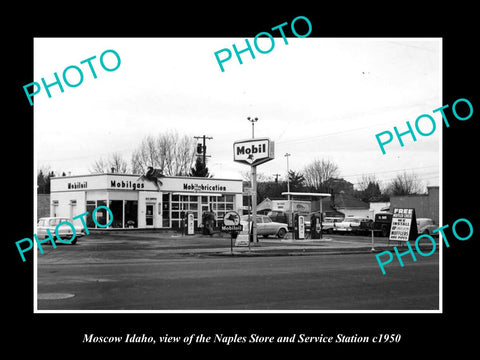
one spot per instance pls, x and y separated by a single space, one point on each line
381 226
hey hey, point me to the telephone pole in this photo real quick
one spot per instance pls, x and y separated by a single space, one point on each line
204 147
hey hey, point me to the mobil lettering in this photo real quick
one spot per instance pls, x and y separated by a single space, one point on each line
253 149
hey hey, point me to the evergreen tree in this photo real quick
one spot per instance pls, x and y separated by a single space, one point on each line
200 169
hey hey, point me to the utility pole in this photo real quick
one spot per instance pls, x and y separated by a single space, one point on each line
204 147
253 170
287 155
276 177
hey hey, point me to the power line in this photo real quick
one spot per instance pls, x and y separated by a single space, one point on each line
389 171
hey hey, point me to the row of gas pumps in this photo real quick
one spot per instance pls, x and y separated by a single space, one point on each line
299 229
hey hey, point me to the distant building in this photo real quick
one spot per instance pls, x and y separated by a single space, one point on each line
349 205
379 206
426 206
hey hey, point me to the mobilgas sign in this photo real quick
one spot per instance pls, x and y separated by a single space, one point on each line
253 151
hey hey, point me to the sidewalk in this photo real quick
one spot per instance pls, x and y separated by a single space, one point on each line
174 244
286 247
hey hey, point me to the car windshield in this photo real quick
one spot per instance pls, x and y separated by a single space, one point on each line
266 219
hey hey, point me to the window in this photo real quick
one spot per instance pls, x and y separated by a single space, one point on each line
223 204
182 205
90 208
116 207
131 214
266 219
166 210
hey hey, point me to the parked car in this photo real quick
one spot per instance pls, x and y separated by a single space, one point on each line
64 231
328 224
348 225
265 226
425 226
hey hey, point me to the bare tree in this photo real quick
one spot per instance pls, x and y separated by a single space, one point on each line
99 166
118 163
169 152
146 155
114 160
247 175
405 184
318 172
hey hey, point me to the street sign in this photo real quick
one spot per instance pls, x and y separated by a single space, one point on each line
229 228
253 151
247 190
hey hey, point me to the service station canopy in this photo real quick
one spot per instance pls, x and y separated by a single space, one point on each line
253 151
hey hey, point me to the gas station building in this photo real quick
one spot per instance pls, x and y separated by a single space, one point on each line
136 202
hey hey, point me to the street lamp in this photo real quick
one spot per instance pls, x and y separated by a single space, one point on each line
253 121
287 155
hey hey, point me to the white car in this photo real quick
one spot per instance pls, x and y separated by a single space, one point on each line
265 226
328 224
64 231
425 226
349 224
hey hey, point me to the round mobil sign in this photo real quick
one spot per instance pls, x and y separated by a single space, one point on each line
231 218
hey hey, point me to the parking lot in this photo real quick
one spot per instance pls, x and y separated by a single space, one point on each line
165 271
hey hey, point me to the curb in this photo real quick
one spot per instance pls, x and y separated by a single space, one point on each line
255 251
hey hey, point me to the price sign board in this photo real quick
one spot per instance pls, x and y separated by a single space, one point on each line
404 225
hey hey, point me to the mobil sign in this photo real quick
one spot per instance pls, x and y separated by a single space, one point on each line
253 151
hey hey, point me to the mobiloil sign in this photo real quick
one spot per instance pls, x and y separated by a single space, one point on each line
253 151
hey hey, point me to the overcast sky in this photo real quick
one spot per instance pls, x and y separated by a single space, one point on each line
315 97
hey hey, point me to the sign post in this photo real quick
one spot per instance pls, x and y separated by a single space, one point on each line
254 203
231 224
253 152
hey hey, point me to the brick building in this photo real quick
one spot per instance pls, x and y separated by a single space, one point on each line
426 205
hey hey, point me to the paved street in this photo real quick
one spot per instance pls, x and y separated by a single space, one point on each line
145 272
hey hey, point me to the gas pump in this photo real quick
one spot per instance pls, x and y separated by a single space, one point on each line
316 226
190 223
298 227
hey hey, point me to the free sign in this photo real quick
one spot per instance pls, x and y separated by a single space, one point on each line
253 151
